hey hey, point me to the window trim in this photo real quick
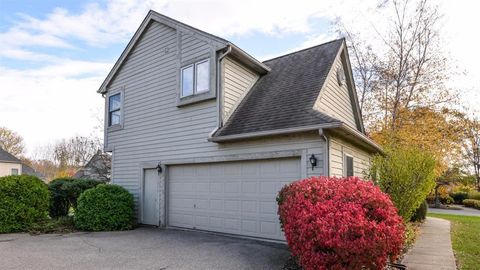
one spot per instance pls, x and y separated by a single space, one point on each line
107 111
345 169
193 80
14 169
194 64
196 92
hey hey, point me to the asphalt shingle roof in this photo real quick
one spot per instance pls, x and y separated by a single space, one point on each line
284 97
5 156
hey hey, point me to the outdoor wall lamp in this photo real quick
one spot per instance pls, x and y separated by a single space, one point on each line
313 161
159 168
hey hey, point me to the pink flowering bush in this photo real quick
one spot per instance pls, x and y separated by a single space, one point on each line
340 223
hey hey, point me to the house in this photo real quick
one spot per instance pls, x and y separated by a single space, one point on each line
97 168
27 170
9 164
204 135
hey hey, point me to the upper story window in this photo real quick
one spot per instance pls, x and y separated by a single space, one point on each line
114 109
14 171
349 166
195 78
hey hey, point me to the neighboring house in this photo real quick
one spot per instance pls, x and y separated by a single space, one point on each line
97 168
204 135
31 171
9 164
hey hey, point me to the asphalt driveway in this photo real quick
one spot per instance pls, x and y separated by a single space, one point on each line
143 248
465 211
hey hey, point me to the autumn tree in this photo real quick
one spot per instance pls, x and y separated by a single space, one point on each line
406 67
436 131
472 147
66 156
11 142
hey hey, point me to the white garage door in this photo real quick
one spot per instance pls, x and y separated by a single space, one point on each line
230 197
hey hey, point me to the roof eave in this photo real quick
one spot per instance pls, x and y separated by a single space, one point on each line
249 60
252 135
362 138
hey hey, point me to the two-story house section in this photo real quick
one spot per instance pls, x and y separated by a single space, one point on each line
204 135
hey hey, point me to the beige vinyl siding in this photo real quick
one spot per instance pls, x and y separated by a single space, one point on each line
156 130
238 80
334 100
338 149
6 168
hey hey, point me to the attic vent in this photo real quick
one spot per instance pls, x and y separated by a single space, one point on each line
340 76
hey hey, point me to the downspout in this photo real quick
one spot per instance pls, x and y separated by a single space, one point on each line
327 152
219 92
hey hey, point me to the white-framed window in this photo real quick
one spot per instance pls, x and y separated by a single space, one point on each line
195 78
114 109
348 165
14 171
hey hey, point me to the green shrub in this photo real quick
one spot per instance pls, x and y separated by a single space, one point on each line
105 208
474 195
407 175
65 193
458 197
446 200
472 203
421 212
23 201
59 204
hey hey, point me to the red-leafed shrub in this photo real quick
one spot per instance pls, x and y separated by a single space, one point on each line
340 223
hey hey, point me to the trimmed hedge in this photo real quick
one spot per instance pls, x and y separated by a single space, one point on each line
340 223
24 200
105 208
472 203
420 213
474 195
65 193
458 197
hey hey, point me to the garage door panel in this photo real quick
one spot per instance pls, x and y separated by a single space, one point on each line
232 197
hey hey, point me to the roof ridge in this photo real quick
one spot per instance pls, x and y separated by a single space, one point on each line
305 49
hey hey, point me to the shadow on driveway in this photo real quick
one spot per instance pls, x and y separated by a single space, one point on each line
143 248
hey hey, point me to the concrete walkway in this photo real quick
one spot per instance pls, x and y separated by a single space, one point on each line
433 248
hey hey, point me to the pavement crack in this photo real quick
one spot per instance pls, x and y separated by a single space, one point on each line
92 245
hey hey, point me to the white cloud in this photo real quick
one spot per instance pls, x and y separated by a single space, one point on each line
52 102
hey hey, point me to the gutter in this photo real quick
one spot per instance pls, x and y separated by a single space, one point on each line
329 126
270 132
219 87
327 152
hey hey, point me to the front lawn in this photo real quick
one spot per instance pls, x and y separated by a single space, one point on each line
465 239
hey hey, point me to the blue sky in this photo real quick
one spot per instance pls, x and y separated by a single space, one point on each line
55 54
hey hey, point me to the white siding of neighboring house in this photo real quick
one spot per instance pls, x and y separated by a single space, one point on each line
156 130
334 100
237 81
6 168
338 149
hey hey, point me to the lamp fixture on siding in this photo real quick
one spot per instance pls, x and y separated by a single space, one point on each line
159 168
313 161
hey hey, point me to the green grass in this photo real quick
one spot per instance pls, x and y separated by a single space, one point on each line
465 240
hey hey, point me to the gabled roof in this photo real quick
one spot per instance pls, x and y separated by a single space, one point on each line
284 98
7 157
155 16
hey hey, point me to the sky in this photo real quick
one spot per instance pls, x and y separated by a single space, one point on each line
55 54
